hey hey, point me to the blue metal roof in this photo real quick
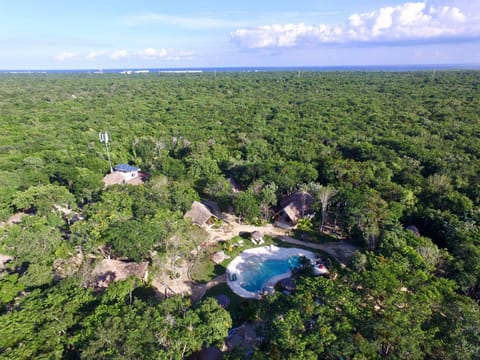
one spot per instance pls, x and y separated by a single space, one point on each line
126 168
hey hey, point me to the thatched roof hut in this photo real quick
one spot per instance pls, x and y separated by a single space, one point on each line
295 207
124 174
199 214
108 271
114 178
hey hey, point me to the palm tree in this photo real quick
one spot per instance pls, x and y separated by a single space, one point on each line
322 194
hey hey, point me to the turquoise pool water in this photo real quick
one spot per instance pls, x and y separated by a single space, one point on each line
255 272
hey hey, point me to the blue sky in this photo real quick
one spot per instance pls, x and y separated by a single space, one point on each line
94 34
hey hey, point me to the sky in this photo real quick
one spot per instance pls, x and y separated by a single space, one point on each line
116 34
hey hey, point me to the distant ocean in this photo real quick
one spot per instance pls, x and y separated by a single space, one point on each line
192 70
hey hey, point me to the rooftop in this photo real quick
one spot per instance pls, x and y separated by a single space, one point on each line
199 213
126 168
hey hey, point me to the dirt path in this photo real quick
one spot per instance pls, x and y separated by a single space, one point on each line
340 250
199 290
186 287
231 228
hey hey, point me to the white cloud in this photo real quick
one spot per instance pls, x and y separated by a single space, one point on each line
94 54
411 21
151 53
64 56
119 54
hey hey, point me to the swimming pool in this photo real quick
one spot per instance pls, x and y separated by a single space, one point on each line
257 272
261 268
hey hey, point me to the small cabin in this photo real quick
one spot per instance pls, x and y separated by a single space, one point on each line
128 171
124 174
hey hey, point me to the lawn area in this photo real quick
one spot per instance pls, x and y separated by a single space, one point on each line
205 270
313 236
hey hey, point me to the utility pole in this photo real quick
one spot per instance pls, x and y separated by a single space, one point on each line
103 137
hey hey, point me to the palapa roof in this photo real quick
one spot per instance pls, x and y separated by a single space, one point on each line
297 205
199 213
109 270
114 178
118 177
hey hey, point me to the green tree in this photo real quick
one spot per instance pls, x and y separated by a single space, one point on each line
35 246
247 205
182 195
268 198
41 199
41 325
133 239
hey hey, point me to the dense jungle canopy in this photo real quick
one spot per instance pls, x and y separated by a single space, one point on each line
397 149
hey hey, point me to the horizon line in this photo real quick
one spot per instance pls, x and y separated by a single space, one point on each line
462 66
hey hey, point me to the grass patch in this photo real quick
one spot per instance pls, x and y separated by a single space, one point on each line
233 250
313 236
204 269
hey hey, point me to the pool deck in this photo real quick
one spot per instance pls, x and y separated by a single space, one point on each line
264 253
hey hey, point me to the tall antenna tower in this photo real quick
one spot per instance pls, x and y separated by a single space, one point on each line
103 137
